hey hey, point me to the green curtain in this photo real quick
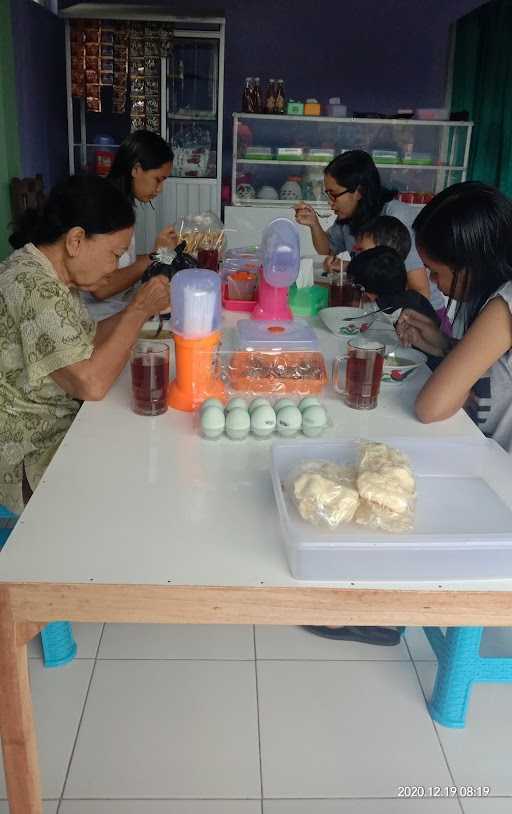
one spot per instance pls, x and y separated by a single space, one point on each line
482 84
9 141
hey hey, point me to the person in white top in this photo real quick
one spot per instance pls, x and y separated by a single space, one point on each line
142 163
465 238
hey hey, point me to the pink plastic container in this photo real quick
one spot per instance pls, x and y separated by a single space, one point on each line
235 305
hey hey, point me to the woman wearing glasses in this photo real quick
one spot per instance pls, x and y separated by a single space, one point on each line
353 186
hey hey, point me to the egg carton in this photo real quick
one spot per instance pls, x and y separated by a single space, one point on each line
261 419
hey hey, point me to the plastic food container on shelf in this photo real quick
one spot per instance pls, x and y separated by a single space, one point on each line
337 110
290 153
463 522
322 155
257 153
418 159
433 113
295 108
312 108
385 156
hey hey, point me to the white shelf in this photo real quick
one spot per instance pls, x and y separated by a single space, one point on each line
319 164
351 120
191 117
320 205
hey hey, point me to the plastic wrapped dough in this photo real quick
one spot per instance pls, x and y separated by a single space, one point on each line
325 494
380 493
387 488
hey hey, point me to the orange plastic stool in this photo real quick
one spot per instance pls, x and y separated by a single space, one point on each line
195 373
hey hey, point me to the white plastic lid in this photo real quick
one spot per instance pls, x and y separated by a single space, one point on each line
294 334
280 252
196 303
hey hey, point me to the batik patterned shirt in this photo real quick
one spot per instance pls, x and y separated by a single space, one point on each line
43 328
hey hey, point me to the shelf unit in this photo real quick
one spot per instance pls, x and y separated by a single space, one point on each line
199 48
447 143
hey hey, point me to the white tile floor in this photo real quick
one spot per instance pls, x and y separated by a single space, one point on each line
237 720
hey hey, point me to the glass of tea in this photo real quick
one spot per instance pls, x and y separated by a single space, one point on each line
150 377
208 259
344 291
361 372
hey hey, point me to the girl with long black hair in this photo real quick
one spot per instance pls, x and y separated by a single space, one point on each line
142 164
464 237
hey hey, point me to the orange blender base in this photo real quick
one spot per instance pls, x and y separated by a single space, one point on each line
195 373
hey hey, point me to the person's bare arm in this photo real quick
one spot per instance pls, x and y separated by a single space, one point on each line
121 279
306 216
124 278
91 379
417 280
448 388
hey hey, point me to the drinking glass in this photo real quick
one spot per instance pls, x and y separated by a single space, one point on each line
208 259
150 377
361 369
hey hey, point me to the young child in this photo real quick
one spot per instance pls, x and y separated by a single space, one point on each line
382 274
384 230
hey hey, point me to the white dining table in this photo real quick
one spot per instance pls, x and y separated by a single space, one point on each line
139 519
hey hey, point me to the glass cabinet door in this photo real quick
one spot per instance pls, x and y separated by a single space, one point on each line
192 86
278 159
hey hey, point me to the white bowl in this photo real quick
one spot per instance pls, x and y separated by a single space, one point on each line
333 319
399 363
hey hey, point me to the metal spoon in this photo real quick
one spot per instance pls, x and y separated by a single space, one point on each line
368 314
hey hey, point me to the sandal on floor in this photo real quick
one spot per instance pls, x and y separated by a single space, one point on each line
384 636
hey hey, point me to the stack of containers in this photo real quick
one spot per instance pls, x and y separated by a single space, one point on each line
240 278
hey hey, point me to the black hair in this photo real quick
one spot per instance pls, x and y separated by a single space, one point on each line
355 170
380 271
141 147
468 227
81 200
387 230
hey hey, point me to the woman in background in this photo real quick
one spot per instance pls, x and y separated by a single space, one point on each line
142 163
353 187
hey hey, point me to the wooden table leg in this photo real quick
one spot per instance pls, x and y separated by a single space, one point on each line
16 717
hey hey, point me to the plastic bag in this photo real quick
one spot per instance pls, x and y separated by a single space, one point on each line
380 493
324 493
387 489
203 231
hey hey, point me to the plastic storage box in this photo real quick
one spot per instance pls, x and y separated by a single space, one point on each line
463 526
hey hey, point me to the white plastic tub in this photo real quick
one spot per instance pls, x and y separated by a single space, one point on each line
463 524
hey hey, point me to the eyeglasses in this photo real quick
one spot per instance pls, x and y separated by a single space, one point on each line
333 196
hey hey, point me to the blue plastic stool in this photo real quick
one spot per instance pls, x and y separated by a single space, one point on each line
59 646
459 666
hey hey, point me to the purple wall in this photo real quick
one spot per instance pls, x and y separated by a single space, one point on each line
41 90
375 54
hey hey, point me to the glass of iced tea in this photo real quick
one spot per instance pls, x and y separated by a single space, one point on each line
150 377
361 370
344 291
208 259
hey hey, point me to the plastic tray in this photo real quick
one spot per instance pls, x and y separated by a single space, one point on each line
463 523
242 365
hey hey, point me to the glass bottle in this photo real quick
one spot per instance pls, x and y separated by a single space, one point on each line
247 96
280 101
257 95
270 97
